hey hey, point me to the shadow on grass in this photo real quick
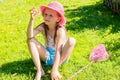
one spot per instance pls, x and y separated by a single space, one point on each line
92 17
19 67
114 47
23 67
95 17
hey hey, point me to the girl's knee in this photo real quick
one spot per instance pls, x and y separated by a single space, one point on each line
71 41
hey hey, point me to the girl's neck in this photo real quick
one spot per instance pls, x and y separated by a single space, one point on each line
52 27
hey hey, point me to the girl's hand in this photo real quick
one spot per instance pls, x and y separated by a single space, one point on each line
55 75
33 13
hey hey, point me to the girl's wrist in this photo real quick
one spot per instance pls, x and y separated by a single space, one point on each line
54 69
31 18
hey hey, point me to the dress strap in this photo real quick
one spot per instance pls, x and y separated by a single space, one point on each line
50 42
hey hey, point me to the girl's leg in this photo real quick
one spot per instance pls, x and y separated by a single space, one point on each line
67 49
36 50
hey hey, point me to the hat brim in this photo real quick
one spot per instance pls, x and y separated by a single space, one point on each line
62 21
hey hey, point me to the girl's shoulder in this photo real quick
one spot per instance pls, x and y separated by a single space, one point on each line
62 34
61 31
40 27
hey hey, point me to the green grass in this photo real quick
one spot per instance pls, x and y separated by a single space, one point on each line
89 22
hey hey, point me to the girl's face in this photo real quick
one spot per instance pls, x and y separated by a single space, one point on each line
51 17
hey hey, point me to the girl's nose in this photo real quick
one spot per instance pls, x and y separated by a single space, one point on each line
47 17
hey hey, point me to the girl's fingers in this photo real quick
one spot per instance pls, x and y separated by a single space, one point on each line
32 9
57 78
31 12
52 78
34 12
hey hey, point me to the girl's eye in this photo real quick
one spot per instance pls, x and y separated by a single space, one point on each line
51 15
45 14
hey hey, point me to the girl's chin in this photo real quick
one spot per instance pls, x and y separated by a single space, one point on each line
47 23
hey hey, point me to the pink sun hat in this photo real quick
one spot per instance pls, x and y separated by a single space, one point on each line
58 8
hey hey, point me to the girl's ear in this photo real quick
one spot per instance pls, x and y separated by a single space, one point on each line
58 19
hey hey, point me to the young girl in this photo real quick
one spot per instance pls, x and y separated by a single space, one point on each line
58 46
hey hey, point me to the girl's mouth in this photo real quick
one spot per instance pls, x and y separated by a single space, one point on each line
47 21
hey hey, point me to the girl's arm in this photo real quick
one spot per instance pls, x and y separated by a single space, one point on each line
30 28
30 31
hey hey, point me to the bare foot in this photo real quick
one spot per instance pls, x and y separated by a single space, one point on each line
42 72
38 76
59 75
